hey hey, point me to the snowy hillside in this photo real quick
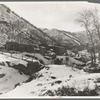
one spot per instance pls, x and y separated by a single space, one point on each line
63 36
15 28
18 29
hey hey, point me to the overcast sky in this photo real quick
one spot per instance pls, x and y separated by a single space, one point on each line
60 15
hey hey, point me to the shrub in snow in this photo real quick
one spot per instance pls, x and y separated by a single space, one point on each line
63 91
74 63
82 58
94 68
67 59
9 64
88 92
2 63
33 67
34 76
17 85
56 82
58 61
41 61
49 93
71 91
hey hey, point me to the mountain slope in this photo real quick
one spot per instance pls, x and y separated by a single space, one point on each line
20 30
63 36
15 28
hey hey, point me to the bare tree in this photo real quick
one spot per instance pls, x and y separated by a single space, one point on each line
96 25
90 21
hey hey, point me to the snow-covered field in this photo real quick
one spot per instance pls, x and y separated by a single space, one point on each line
9 77
51 78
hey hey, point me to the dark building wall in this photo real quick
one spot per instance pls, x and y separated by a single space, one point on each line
31 48
19 47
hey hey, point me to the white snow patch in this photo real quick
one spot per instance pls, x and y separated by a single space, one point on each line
11 78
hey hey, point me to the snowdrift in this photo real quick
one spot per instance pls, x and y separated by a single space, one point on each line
10 78
52 78
14 72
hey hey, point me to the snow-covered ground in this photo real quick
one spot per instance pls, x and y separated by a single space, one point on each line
19 56
9 77
50 78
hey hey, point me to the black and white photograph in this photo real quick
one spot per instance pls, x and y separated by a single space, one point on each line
49 49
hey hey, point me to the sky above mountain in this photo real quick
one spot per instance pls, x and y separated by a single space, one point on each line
60 15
